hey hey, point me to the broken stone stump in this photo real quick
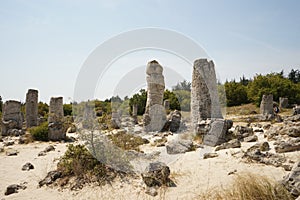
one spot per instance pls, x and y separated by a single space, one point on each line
115 120
55 119
31 108
155 115
215 131
135 113
204 95
167 104
12 117
283 102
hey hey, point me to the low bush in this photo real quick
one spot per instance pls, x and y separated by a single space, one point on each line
40 132
78 162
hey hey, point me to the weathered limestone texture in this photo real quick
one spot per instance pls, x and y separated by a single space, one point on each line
266 105
283 102
31 108
12 118
55 119
204 95
155 115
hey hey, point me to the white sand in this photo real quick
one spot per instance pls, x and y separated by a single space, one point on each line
191 173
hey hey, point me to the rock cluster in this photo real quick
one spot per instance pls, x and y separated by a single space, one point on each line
155 115
292 180
173 122
214 131
156 175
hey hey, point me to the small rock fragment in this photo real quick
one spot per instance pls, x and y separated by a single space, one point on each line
11 152
210 155
28 166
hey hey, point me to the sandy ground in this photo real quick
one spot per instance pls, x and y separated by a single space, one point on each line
191 173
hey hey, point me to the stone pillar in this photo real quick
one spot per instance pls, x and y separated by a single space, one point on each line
115 120
55 119
266 105
283 102
134 110
167 104
12 118
31 108
155 115
204 95
134 113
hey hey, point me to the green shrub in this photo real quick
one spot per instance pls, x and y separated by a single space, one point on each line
40 132
79 162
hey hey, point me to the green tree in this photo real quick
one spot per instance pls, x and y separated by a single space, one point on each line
236 93
171 96
43 109
67 109
273 83
140 100
184 85
294 76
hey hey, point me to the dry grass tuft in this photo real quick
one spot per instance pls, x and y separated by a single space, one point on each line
249 187
127 141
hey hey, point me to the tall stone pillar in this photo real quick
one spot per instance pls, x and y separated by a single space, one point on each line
155 115
55 119
134 110
204 95
12 118
31 108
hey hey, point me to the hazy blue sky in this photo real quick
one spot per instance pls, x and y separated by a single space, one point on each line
44 43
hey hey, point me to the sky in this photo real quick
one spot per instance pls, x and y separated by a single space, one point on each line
44 44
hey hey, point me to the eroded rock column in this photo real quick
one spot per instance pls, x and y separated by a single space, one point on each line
204 95
12 118
55 119
266 105
155 115
31 108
